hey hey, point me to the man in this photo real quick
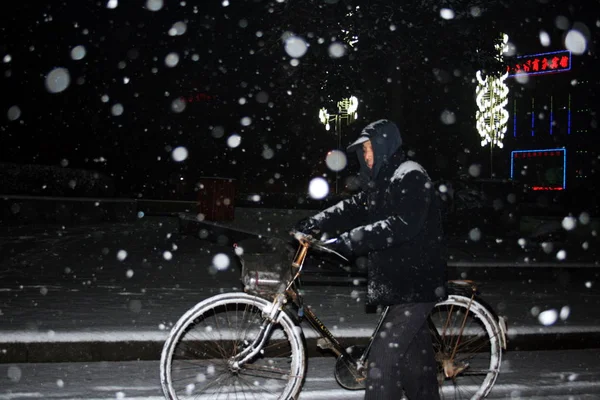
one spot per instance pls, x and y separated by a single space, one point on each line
394 225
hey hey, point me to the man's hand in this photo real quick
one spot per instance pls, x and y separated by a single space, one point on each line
342 247
307 226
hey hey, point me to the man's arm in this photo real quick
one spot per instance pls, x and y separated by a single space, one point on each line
343 215
412 197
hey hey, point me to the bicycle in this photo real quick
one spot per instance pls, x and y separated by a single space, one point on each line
251 343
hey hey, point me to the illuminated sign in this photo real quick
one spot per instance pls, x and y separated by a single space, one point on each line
198 97
491 115
547 188
543 63
540 169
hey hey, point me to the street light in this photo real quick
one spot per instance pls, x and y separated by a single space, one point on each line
347 112
324 117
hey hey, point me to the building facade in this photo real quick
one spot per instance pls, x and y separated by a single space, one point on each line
552 137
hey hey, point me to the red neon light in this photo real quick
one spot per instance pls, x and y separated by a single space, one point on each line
547 188
198 97
541 63
537 154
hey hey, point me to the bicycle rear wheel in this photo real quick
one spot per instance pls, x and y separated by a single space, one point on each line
466 340
195 358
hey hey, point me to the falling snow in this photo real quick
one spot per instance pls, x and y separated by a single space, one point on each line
117 113
318 188
58 80
295 46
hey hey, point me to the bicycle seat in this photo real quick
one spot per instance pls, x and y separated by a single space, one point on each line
462 282
464 285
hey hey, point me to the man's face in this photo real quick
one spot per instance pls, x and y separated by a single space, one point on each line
368 154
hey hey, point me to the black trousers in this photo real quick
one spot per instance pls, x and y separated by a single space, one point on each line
401 356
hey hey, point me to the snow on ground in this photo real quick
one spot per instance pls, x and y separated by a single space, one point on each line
565 375
132 281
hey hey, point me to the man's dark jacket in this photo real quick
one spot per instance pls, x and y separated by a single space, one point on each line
394 221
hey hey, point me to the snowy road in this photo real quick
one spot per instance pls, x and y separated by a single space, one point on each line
104 291
567 375
110 292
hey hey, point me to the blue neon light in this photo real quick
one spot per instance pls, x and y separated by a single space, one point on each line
538 150
569 117
532 115
565 169
551 114
515 118
512 162
512 165
544 54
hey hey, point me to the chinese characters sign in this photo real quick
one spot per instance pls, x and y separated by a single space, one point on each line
538 153
544 63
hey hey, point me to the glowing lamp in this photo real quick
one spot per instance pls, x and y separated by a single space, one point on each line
491 97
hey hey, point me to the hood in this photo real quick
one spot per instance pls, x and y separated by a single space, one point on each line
386 140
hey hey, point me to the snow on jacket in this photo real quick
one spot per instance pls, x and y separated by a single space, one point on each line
394 222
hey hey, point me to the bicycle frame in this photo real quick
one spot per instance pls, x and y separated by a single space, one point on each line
265 329
327 341
331 343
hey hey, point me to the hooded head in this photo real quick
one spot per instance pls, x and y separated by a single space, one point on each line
385 139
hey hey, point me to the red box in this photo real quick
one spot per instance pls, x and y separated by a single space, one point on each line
216 198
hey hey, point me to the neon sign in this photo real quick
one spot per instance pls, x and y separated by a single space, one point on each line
544 169
543 63
546 188
198 97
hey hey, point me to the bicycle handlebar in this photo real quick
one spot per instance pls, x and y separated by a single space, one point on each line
316 243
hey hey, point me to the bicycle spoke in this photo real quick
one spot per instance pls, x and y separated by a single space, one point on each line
251 388
267 372
242 337
183 353
467 348
218 343
473 372
256 386
215 382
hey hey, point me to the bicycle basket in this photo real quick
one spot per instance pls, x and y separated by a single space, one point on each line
266 265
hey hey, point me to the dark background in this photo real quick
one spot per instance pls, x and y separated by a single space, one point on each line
409 65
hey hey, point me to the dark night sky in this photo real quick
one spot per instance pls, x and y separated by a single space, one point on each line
228 53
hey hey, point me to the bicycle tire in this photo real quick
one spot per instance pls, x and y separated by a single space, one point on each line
205 337
475 339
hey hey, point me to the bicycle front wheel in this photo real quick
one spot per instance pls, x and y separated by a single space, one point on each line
195 361
467 344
